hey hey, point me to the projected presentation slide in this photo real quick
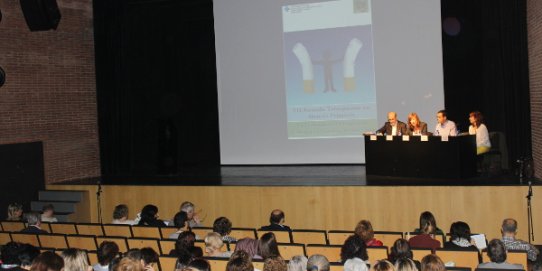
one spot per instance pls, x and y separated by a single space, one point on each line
329 69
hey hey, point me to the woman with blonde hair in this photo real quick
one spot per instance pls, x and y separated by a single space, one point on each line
405 264
214 244
15 212
75 260
415 126
432 262
383 265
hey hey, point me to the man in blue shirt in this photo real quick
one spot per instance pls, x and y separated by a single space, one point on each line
444 127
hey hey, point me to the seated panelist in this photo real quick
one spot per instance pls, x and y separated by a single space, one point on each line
393 126
415 126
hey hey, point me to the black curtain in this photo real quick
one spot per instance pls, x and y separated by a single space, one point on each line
486 68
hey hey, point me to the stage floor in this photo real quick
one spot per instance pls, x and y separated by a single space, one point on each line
296 175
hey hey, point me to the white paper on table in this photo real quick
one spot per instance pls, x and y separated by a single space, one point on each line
444 138
479 240
389 138
424 138
406 138
373 138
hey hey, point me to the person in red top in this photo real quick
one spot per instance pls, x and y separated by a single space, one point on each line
364 230
425 239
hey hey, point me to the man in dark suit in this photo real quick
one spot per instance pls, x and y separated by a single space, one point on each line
34 223
277 222
393 126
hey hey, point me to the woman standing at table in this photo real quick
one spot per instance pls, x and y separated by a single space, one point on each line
415 126
479 129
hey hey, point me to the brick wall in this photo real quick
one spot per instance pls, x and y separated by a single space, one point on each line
534 28
50 89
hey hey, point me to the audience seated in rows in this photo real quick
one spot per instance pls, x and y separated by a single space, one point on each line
34 223
48 213
298 263
401 250
222 226
364 229
180 221
75 260
120 215
149 217
497 254
107 251
276 220
460 237
428 227
317 262
509 230
15 212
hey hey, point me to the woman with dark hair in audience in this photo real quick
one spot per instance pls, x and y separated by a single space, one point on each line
250 246
15 212
427 230
199 265
181 223
478 128
460 237
185 251
149 217
222 226
275 264
268 246
432 262
106 253
146 256
239 261
27 254
354 247
47 261
364 229
9 256
401 250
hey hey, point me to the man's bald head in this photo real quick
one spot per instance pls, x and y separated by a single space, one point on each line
277 217
392 118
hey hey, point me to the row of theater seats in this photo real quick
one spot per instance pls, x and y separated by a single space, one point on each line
89 236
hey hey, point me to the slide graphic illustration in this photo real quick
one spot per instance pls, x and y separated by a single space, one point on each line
306 67
348 64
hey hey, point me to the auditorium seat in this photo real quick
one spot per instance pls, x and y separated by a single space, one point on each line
119 240
464 258
332 252
309 237
201 232
63 228
388 238
217 264
13 226
288 250
46 226
512 256
167 245
281 236
54 240
144 242
5 238
419 253
165 232
231 246
168 263
336 237
258 264
334 266
92 257
89 229
26 238
146 232
87 242
117 230
377 253
240 233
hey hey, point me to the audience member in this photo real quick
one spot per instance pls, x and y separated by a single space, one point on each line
428 218
214 244
120 215
180 221
222 226
27 254
47 261
401 250
428 227
405 264
496 251
383 265
199 265
509 230
149 217
250 246
276 220
75 260
432 262
239 261
193 219
10 257
317 262
15 212
364 229
355 264
48 213
107 251
298 263
354 247
146 257
460 237
128 264
268 246
275 264
34 223
184 247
